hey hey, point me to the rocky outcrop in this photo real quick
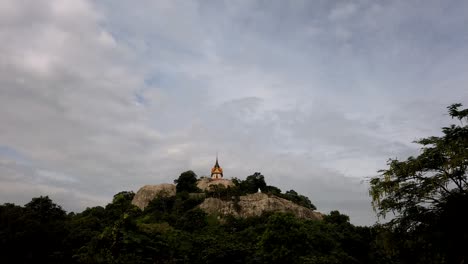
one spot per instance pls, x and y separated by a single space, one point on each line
205 183
244 206
148 192
255 205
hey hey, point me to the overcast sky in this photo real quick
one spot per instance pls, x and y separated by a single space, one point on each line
98 97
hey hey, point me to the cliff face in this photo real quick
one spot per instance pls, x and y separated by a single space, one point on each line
148 192
256 204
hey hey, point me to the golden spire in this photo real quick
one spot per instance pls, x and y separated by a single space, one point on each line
216 171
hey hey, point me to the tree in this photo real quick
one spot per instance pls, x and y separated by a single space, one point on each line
284 239
252 183
187 182
335 217
273 190
192 220
299 199
121 204
421 190
35 233
44 210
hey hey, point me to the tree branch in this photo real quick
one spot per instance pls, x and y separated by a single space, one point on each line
436 183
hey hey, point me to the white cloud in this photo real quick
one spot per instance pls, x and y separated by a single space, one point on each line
343 11
67 96
55 176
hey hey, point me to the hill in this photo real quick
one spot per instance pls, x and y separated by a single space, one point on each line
248 205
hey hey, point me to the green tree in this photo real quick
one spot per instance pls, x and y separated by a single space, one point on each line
273 190
35 233
335 217
287 239
284 239
83 228
187 182
299 199
422 192
121 204
43 209
12 233
252 183
192 220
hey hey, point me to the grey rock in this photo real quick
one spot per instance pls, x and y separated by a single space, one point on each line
148 192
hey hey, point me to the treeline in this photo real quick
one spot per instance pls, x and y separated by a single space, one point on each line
187 182
173 230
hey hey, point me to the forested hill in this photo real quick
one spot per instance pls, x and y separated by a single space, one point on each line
427 195
173 229
224 197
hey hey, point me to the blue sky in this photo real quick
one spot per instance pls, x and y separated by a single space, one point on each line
97 97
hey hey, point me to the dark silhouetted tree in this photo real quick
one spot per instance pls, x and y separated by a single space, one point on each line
187 182
423 191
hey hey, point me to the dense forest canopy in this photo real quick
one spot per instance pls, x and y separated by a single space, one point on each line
174 230
427 194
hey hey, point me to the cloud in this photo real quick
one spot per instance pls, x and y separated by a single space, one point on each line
99 97
343 11
67 100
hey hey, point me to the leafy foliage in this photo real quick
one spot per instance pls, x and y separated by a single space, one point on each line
187 182
33 233
299 199
252 183
256 182
429 195
169 230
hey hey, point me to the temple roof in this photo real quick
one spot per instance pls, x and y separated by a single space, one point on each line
217 169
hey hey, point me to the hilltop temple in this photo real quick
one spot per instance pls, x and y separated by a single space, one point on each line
216 171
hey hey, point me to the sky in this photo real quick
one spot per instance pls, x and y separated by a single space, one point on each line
98 97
